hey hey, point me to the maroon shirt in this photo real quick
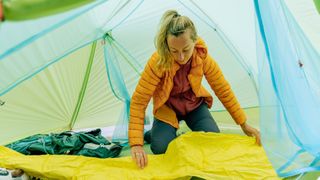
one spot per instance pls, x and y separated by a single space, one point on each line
182 99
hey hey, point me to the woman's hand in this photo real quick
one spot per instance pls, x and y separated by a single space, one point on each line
250 131
139 156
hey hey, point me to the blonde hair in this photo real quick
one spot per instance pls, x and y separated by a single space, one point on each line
171 23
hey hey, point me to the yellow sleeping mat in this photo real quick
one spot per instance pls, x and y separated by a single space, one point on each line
205 155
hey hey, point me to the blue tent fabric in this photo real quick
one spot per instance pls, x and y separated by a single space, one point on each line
115 53
289 86
118 87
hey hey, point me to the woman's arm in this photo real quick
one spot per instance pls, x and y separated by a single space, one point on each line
225 94
140 100
223 90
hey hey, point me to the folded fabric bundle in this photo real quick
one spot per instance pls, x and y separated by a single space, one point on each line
90 143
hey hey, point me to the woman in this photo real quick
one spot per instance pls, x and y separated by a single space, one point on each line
172 77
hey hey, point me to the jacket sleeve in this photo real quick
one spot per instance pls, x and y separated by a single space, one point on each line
140 100
222 89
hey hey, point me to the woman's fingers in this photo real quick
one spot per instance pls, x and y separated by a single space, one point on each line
145 156
141 159
145 159
256 134
139 156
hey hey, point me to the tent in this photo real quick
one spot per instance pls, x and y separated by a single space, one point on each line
78 68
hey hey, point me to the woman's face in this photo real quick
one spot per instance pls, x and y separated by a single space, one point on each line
181 47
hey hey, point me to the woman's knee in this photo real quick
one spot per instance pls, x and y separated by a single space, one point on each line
213 127
159 147
161 135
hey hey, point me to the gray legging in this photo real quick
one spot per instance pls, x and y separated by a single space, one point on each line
162 133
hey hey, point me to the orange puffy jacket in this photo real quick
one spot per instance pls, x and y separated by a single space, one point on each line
158 84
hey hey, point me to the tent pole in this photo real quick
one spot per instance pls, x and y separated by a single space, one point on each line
84 86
